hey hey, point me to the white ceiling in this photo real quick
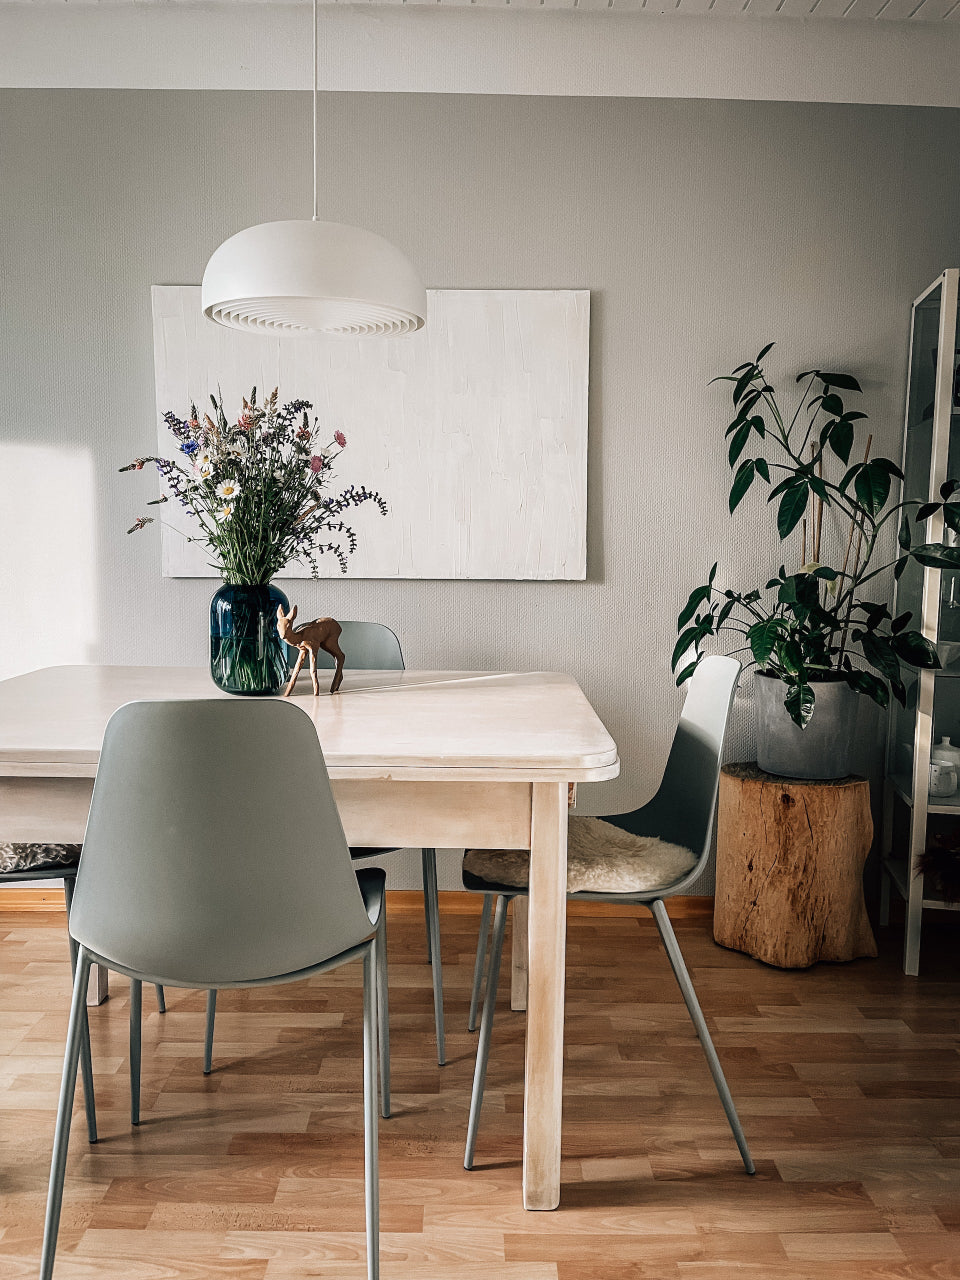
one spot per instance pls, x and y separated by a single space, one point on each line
856 51
863 10
849 10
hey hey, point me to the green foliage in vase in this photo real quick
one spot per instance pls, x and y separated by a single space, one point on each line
818 623
257 488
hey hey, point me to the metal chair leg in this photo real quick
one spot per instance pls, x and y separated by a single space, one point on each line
136 1009
432 909
86 1060
370 1144
486 1029
208 1034
61 1137
426 909
478 965
136 1055
675 956
383 1015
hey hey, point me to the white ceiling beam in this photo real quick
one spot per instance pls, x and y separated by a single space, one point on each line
444 49
895 10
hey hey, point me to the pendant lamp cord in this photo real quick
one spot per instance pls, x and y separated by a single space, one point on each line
316 76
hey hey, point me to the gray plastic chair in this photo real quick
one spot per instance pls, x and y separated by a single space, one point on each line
371 646
214 857
682 813
368 646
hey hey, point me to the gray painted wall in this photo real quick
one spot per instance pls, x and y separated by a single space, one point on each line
702 228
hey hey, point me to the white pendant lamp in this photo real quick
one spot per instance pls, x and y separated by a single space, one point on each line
313 278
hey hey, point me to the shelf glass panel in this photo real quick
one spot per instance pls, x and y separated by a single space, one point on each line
916 488
948 633
920 828
946 724
946 707
902 783
943 830
898 872
923 368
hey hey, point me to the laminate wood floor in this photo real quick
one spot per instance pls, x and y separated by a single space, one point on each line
847 1079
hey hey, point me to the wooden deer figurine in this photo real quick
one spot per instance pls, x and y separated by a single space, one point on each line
322 633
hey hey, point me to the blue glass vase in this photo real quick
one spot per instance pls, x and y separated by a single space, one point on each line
247 655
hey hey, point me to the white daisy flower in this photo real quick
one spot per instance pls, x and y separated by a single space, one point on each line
204 470
225 512
228 490
235 451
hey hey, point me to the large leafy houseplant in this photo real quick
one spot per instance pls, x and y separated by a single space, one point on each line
821 622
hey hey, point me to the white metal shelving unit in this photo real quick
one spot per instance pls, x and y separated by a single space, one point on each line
931 454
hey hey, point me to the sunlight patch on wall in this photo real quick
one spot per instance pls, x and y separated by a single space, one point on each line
48 549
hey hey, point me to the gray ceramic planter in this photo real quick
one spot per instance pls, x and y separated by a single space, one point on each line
824 749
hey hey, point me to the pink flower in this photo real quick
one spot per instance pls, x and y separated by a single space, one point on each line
316 463
340 438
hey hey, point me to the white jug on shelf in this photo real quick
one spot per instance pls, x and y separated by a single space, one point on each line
943 778
944 752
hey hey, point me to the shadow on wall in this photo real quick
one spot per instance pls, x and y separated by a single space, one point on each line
48 557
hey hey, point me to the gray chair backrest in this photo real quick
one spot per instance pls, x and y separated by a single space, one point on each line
367 646
683 808
214 852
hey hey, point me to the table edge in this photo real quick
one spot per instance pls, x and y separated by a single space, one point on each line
601 771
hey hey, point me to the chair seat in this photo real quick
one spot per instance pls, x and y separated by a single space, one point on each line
37 857
601 858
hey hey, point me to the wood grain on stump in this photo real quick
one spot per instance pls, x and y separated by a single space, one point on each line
790 858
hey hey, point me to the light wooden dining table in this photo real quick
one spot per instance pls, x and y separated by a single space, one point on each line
449 759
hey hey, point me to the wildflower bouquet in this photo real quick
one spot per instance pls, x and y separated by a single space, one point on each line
257 488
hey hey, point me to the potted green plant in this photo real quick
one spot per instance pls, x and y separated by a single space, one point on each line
816 635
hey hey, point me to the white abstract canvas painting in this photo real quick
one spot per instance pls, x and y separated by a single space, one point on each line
474 430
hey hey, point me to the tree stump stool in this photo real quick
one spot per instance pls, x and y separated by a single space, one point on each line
790 858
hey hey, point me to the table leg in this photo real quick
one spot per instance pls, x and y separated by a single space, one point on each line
519 946
543 1082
